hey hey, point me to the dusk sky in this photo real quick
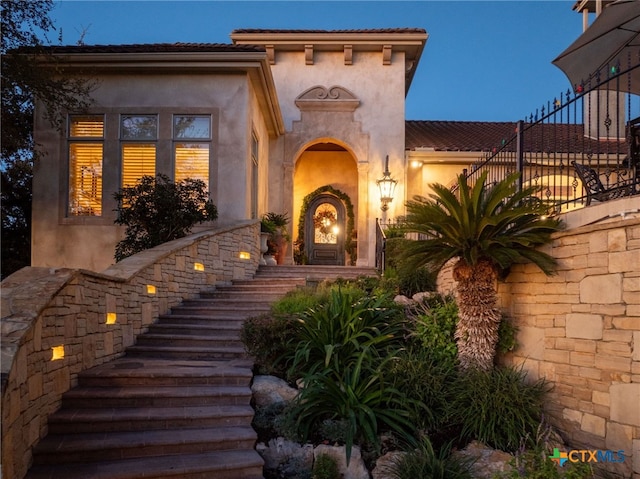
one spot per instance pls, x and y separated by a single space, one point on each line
483 61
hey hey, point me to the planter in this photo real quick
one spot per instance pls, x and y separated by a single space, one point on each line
270 260
282 245
264 247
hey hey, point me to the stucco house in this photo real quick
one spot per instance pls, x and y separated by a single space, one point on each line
301 122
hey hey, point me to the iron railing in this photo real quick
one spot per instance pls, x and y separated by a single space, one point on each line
588 127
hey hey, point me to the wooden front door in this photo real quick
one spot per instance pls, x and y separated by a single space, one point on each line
325 230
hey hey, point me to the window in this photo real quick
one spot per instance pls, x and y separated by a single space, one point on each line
138 134
192 143
254 175
86 153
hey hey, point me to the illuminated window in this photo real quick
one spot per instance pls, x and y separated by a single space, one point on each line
192 156
86 152
138 154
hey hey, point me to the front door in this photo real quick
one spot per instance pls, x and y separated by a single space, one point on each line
325 230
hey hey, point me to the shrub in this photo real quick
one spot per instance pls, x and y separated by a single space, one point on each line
298 301
360 395
426 383
507 336
333 335
268 339
498 407
156 210
434 327
425 462
325 467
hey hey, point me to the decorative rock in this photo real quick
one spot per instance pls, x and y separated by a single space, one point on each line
270 389
424 295
385 463
281 451
356 469
401 299
488 461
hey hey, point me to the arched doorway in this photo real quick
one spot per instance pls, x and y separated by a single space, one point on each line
325 231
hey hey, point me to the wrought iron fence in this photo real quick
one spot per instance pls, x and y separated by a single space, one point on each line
589 127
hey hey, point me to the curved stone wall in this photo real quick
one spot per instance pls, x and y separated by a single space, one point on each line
59 322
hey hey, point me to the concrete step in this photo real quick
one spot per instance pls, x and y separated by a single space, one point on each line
220 329
211 340
156 396
202 352
221 311
314 273
99 446
155 372
87 420
213 320
239 464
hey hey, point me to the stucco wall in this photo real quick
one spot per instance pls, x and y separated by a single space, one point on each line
89 242
375 129
43 308
580 329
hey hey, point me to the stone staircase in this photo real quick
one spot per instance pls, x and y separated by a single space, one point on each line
178 404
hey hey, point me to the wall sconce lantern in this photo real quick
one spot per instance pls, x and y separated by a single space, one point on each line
387 187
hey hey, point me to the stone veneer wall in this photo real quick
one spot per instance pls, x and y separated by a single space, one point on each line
43 308
580 329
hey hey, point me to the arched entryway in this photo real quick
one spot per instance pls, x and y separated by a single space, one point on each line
325 186
325 231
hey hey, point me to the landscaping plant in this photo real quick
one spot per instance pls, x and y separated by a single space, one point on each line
156 210
425 462
497 407
486 229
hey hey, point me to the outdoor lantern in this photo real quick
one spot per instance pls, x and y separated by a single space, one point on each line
387 187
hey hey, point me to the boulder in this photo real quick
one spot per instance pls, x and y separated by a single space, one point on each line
488 461
356 469
401 299
280 451
384 464
268 390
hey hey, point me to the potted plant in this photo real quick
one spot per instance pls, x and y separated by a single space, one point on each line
279 235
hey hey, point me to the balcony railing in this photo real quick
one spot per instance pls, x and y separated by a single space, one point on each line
589 127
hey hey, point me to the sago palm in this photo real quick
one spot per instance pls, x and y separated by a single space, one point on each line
487 228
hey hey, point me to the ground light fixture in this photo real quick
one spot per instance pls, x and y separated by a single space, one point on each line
387 186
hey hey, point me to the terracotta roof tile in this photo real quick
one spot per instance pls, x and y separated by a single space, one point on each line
487 136
363 31
156 48
456 135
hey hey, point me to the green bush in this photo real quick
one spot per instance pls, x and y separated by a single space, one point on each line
268 340
507 336
359 394
497 407
425 462
325 467
434 327
156 210
333 335
426 383
298 301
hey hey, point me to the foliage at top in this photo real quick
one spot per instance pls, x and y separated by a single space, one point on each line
24 79
496 222
24 26
156 210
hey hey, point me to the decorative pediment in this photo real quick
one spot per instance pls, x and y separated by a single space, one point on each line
335 98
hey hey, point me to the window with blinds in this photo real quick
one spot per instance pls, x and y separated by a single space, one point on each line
138 134
86 153
138 160
192 143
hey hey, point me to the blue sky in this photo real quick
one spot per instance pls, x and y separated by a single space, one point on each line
483 61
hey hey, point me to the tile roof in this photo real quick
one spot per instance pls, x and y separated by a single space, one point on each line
156 48
487 136
363 31
456 135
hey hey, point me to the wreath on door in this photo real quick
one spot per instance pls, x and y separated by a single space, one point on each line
349 245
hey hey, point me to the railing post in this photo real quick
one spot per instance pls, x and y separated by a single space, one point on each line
520 153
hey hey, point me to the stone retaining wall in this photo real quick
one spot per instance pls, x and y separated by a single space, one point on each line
580 329
71 310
